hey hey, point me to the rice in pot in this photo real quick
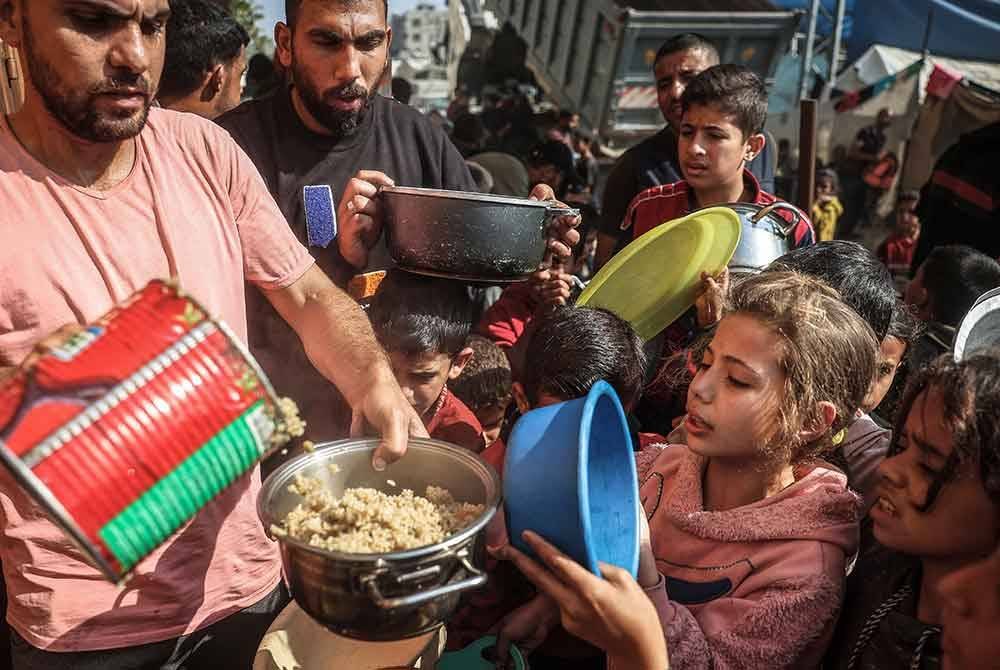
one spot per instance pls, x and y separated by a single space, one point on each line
368 521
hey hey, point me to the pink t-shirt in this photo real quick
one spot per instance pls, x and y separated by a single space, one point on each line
193 207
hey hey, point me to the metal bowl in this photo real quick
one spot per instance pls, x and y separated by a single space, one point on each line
472 236
379 597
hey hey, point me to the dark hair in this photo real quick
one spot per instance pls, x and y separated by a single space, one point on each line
970 389
905 326
911 195
687 42
486 378
574 347
415 315
862 280
735 90
200 35
566 114
954 277
292 8
402 90
468 129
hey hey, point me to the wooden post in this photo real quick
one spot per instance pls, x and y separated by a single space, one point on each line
807 154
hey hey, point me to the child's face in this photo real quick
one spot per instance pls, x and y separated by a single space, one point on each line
891 354
712 148
962 523
907 224
422 377
825 187
732 402
491 419
971 612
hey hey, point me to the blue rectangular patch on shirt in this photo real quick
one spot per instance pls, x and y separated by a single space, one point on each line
321 217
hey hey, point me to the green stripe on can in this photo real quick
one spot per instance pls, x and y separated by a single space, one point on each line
169 503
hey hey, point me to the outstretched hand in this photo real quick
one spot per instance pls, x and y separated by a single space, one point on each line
612 613
386 410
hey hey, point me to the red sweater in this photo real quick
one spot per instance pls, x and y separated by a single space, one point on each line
451 421
896 252
660 204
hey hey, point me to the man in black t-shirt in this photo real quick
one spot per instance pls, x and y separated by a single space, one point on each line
654 162
330 127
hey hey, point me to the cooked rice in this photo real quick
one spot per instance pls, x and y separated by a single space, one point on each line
367 521
288 424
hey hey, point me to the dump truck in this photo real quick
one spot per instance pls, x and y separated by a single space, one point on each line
596 57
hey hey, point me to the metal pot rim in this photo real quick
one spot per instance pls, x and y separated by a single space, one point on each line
482 198
281 477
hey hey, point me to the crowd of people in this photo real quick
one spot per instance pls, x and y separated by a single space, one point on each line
819 472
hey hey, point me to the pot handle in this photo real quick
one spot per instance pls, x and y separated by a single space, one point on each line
477 579
784 206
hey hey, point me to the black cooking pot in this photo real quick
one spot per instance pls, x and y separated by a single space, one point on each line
472 236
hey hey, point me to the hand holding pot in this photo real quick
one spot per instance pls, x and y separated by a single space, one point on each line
612 613
358 214
563 235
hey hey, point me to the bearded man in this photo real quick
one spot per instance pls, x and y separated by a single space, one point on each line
329 126
102 194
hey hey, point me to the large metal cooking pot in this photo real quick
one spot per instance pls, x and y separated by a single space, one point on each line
473 236
765 235
379 597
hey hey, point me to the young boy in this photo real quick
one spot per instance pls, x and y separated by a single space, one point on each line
896 251
484 385
423 324
721 131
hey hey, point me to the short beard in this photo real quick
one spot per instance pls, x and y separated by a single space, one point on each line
76 110
339 123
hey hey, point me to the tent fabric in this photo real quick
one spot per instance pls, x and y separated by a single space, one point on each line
940 124
965 29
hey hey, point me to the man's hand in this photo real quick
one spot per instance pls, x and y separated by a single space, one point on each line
563 235
611 613
552 287
385 409
339 342
360 225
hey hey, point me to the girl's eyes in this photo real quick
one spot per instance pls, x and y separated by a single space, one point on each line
738 384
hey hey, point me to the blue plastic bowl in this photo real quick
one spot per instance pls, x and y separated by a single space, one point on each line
570 477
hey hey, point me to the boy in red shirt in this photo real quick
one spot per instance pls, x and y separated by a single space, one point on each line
897 250
423 324
721 131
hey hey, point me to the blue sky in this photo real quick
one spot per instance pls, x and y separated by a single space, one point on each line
274 10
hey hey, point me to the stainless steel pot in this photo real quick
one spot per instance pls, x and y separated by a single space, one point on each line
379 597
472 236
765 235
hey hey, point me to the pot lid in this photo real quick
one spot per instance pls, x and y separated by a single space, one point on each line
980 328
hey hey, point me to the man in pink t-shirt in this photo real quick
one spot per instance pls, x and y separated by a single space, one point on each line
100 195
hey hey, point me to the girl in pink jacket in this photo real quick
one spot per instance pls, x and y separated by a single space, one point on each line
751 534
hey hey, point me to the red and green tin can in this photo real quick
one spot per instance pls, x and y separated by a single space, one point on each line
124 429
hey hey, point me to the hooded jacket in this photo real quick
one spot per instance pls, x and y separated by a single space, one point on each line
759 586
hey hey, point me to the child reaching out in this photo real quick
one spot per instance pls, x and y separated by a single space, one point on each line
938 513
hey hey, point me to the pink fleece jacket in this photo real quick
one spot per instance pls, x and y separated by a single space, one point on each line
758 586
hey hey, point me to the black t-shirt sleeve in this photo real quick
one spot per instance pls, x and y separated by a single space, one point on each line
455 173
619 190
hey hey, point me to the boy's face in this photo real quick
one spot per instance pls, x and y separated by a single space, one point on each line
491 419
942 532
891 355
907 223
422 377
712 148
